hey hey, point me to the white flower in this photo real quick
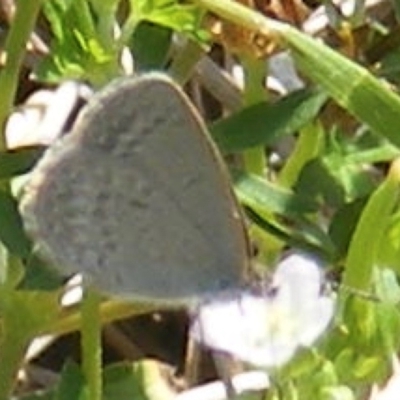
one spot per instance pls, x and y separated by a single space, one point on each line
266 330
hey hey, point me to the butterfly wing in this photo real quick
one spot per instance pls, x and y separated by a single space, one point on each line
137 197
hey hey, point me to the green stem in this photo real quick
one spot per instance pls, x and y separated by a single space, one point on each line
308 146
185 60
91 344
358 16
382 153
254 92
14 49
244 16
106 21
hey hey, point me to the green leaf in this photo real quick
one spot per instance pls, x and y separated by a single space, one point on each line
36 311
40 276
18 162
343 223
123 381
80 48
307 147
337 393
387 286
24 315
264 123
267 203
72 384
350 84
389 248
52 10
370 230
12 233
258 193
139 381
150 46
299 234
335 176
169 13
316 171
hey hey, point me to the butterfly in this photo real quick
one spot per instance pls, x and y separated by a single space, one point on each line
138 199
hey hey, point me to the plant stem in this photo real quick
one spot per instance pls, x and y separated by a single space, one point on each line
244 16
91 344
254 92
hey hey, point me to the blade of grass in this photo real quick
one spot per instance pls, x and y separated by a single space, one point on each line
23 314
14 50
308 146
264 123
254 92
375 218
351 85
91 344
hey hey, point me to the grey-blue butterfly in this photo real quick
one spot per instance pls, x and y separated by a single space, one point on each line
138 199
